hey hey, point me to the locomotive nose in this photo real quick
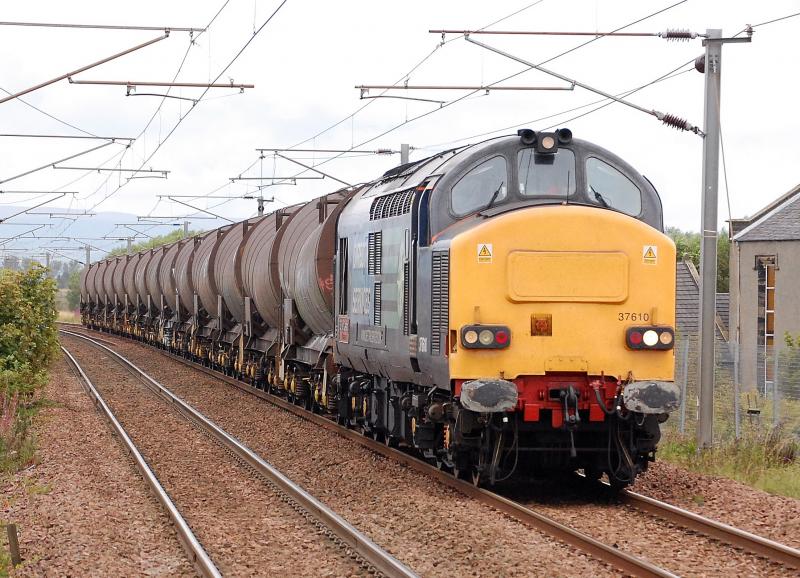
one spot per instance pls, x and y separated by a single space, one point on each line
567 283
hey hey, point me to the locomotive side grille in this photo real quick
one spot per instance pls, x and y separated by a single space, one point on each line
391 205
374 253
376 300
440 299
406 292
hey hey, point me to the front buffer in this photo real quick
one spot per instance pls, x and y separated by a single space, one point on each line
561 342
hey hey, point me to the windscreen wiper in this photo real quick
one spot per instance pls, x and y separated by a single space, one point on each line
600 198
494 196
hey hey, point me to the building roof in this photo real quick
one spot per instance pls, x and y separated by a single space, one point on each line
687 303
778 221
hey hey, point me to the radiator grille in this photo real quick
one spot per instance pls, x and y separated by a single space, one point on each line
440 299
376 300
391 205
374 253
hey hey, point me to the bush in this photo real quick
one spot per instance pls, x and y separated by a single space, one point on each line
28 343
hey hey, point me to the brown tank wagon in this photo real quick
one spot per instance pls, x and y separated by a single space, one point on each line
129 278
184 282
227 272
108 279
203 269
151 276
166 273
140 277
97 285
118 279
259 281
85 282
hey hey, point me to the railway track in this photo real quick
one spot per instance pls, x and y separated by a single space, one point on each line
195 551
766 548
375 559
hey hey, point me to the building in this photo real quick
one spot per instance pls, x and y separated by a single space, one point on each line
764 283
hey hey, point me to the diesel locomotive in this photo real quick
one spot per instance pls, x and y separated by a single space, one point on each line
506 309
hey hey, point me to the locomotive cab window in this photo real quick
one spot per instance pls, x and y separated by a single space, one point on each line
483 186
609 188
551 175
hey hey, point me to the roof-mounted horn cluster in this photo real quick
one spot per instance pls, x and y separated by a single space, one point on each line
546 142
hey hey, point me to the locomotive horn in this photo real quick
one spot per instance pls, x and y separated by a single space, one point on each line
527 136
564 136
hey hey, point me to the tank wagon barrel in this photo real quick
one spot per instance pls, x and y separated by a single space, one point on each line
118 280
166 274
140 276
108 279
183 273
227 275
151 276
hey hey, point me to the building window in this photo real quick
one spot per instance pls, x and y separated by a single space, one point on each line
765 270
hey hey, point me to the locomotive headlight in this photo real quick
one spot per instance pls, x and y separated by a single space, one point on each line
548 142
486 337
666 338
650 338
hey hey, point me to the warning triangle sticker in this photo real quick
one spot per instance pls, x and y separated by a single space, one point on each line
650 254
484 252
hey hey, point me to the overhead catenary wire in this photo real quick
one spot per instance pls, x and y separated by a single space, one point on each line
157 111
361 108
182 118
550 59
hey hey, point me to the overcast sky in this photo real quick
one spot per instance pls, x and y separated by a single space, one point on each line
307 60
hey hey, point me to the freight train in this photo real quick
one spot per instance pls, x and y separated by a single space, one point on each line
506 309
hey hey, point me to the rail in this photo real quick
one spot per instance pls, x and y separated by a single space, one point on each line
198 556
770 549
381 560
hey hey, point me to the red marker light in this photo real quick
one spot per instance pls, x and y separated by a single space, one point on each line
501 337
635 338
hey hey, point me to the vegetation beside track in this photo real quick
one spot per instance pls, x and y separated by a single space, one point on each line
28 343
767 460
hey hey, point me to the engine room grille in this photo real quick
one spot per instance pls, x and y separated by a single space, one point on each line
391 205
376 300
406 295
374 253
440 299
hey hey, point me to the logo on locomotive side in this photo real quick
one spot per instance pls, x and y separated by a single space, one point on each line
484 252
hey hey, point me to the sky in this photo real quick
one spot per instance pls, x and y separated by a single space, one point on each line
306 62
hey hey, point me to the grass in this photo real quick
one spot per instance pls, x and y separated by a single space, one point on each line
68 316
768 461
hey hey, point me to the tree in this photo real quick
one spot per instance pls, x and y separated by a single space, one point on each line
152 243
74 290
687 245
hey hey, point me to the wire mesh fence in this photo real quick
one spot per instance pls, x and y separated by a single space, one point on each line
756 389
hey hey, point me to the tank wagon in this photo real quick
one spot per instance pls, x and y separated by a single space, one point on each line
503 308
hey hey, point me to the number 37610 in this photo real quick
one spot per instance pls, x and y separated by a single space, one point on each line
622 316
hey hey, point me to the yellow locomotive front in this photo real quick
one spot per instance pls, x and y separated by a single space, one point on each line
561 331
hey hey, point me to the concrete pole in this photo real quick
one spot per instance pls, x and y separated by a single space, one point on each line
88 254
47 260
130 245
708 249
185 229
404 152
